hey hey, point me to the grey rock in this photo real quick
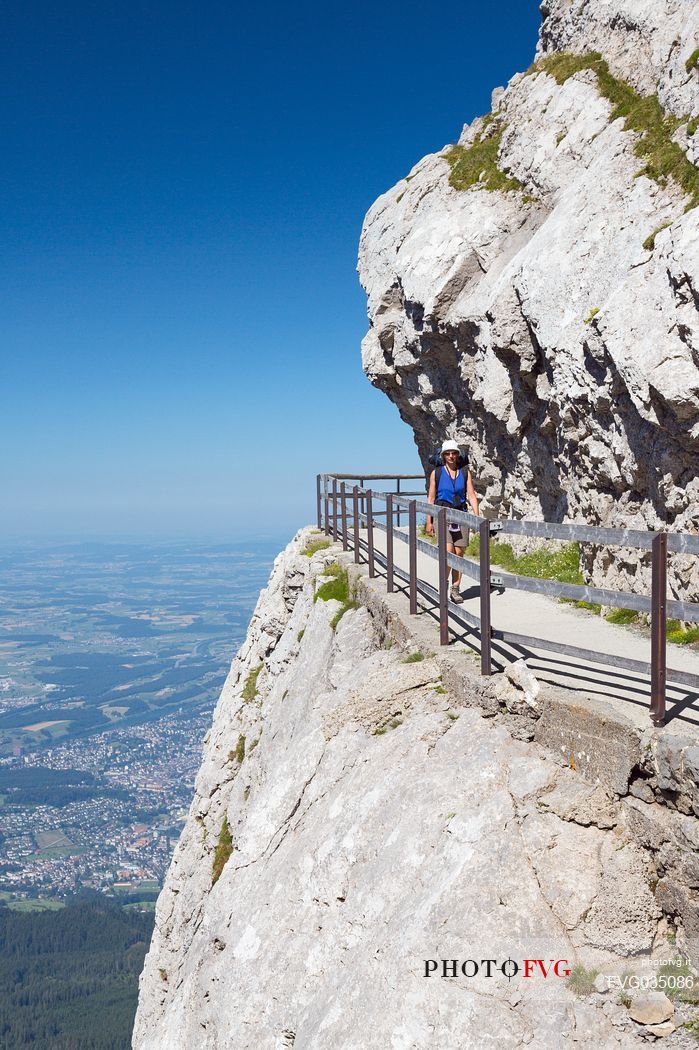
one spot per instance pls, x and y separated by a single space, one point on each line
579 802
651 1008
523 679
662 1030
676 758
642 790
369 827
602 745
534 326
677 899
601 984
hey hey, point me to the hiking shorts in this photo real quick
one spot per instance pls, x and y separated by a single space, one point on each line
457 534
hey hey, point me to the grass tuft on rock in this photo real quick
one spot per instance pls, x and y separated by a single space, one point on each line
592 607
681 635
592 314
250 690
664 159
313 546
693 61
240 749
622 616
393 724
675 974
581 981
649 243
336 589
477 164
413 658
224 848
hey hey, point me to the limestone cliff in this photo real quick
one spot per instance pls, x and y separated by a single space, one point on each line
354 818
533 291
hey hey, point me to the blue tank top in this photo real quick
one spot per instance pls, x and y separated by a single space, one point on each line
451 490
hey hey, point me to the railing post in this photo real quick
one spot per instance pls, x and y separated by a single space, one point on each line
398 506
344 516
318 517
335 508
658 624
484 534
355 516
389 542
412 556
443 577
370 533
327 504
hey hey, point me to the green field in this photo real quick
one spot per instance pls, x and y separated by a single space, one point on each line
56 851
38 904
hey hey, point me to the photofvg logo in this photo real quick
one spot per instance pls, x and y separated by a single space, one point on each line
509 968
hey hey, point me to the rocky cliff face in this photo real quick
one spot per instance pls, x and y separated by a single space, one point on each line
533 292
353 820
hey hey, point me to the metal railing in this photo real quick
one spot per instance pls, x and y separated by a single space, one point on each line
333 495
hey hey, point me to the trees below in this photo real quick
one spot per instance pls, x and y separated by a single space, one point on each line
69 978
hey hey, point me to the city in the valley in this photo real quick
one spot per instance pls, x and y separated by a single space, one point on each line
112 657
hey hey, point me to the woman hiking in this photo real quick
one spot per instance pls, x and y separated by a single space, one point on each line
450 486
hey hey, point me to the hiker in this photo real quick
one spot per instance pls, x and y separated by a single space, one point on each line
450 486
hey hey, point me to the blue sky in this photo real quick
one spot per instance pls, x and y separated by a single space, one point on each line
183 192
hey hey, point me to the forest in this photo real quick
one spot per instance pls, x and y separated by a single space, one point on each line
69 978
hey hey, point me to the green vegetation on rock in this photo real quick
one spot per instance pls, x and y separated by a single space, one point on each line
250 687
336 589
592 314
224 848
393 724
673 980
477 164
581 981
622 616
413 658
693 61
321 544
544 563
681 635
664 159
649 243
240 749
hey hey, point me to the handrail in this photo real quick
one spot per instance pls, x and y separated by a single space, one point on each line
396 503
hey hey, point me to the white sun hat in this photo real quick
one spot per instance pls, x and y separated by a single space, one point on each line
450 446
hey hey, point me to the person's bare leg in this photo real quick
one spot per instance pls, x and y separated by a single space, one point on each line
456 576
